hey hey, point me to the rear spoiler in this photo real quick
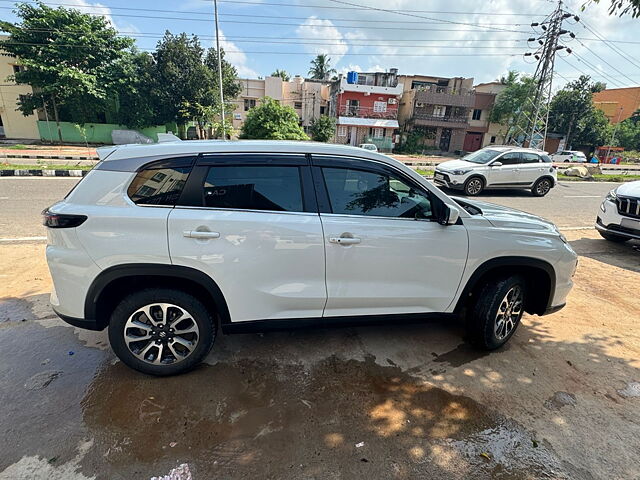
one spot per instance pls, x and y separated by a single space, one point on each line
104 152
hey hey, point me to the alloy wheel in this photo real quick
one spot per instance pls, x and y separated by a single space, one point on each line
474 186
161 334
509 312
543 187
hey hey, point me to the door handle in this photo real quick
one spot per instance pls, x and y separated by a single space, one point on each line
199 234
345 240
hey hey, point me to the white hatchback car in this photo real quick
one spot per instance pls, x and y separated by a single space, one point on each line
164 243
619 217
499 167
567 156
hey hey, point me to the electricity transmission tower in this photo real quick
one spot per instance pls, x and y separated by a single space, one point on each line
529 127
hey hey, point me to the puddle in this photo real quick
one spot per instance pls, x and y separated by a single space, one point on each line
261 419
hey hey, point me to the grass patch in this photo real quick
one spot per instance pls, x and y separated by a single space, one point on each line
426 173
18 146
601 178
42 166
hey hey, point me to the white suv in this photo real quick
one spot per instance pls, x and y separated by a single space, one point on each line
499 167
164 243
619 217
567 156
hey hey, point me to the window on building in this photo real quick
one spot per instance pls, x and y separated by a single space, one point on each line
342 131
17 68
379 107
477 113
372 193
2 134
249 103
158 186
254 188
322 110
297 105
353 107
493 139
377 132
439 110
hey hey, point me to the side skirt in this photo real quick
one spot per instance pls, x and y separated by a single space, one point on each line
272 325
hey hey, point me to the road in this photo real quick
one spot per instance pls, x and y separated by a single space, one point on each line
559 401
570 204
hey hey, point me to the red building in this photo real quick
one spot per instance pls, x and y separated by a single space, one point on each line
366 108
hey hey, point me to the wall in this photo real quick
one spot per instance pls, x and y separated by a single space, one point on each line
367 101
251 89
16 125
95 132
611 99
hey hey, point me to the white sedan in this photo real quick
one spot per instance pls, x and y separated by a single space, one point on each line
568 156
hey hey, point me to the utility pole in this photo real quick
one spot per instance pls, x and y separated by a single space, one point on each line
613 135
535 110
215 9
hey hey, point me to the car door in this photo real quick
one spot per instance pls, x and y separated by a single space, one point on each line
505 174
385 254
251 223
531 168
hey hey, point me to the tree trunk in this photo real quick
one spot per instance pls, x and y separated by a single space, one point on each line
567 142
56 117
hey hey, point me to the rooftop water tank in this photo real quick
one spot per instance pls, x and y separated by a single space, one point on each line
352 77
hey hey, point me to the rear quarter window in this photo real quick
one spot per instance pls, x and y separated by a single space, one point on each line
158 186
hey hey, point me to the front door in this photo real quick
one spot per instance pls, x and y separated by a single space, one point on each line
445 139
384 252
472 141
253 229
507 173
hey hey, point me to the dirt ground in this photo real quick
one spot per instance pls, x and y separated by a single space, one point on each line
560 401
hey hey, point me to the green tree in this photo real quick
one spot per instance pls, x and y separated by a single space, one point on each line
321 67
511 107
628 132
323 128
593 129
620 7
272 121
136 106
73 61
283 74
572 107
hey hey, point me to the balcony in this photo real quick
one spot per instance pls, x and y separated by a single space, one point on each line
430 120
366 112
445 96
372 89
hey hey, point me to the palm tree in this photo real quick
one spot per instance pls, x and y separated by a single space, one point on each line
283 74
321 67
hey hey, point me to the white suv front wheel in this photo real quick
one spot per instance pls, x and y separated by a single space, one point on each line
542 187
473 186
161 331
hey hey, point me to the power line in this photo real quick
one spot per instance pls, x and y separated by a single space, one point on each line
602 59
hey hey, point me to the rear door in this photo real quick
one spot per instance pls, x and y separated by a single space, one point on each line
507 173
251 223
531 168
385 253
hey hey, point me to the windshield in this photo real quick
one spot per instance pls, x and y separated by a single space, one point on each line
482 156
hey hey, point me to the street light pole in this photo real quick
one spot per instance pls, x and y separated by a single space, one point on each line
215 9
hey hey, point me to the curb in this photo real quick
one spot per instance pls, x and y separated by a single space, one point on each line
43 173
52 157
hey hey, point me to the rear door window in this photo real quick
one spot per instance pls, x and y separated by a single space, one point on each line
511 158
530 157
158 186
253 187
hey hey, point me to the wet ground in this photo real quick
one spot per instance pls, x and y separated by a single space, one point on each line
560 401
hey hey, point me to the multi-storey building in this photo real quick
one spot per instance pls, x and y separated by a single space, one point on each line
438 109
482 132
13 124
618 104
309 98
366 108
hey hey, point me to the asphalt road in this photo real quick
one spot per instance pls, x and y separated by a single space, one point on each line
569 205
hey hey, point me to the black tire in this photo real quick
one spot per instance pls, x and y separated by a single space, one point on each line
482 317
613 238
542 187
567 161
203 318
473 186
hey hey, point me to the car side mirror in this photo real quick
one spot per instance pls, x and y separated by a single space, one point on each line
450 215
496 164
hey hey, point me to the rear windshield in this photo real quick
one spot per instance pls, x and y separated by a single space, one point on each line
482 156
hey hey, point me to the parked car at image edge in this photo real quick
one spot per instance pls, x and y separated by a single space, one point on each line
619 217
499 167
162 244
567 156
369 146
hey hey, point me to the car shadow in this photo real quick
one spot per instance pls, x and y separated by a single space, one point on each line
622 255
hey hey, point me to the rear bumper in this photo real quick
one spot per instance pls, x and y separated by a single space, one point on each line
87 324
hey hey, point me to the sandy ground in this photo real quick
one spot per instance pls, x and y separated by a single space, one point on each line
405 401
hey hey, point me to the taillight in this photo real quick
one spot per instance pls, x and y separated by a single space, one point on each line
59 220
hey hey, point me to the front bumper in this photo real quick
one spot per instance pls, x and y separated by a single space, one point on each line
611 221
617 230
445 180
87 324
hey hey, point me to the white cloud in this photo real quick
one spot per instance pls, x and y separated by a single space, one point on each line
236 57
313 28
103 10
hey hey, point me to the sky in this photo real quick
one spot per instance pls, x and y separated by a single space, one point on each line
430 37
